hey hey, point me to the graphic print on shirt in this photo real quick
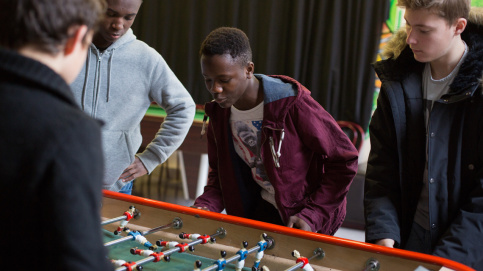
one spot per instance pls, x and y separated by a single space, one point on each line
247 138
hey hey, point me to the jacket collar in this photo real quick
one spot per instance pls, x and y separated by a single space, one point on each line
126 38
30 70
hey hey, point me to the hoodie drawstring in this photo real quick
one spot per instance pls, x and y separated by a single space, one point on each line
277 154
86 79
109 67
203 128
109 74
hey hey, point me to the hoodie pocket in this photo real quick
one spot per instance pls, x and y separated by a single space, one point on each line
118 154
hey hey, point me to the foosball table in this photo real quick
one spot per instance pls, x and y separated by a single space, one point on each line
145 234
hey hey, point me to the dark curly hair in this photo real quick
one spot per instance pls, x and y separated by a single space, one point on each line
227 40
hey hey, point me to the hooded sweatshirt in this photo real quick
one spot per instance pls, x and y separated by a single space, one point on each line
117 86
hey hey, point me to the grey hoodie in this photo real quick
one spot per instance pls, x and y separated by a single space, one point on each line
117 86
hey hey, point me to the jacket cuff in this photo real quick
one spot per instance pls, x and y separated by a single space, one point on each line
116 187
373 237
149 160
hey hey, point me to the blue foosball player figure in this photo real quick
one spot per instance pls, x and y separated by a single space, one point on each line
243 255
262 244
221 262
138 237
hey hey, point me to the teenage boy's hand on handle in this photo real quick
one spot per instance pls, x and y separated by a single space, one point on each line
298 223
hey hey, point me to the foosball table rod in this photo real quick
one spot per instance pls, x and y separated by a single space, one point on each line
265 242
132 212
177 223
165 255
303 262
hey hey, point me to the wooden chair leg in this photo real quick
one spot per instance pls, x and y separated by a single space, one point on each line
166 179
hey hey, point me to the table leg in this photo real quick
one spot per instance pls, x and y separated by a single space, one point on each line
193 169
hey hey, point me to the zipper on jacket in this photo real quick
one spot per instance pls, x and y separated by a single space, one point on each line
277 154
97 85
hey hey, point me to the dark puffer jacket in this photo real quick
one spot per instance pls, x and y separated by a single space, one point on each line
398 141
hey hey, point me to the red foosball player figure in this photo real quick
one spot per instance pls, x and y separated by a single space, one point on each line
118 263
191 236
158 256
167 244
306 266
195 236
129 215
141 252
128 265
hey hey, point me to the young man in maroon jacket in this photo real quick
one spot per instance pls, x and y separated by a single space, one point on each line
275 154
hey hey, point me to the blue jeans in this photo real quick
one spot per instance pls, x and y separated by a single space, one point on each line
127 188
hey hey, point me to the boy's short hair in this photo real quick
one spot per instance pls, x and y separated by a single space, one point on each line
450 10
45 24
228 40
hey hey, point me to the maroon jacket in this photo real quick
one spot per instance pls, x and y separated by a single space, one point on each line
315 168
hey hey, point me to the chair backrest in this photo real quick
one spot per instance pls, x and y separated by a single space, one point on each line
354 131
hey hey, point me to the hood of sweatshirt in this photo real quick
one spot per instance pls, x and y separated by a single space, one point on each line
94 53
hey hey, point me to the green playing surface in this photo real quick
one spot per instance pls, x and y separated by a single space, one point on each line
155 110
179 261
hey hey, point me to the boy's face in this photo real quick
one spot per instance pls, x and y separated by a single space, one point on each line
429 35
119 18
225 78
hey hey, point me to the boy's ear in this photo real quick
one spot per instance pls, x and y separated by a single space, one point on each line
76 39
460 26
250 69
